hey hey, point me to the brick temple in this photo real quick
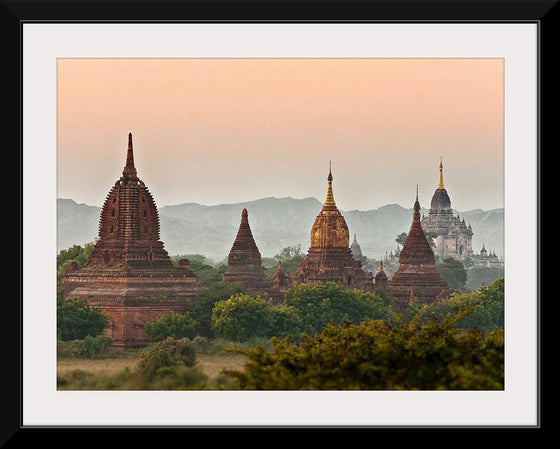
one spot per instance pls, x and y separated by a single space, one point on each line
129 275
244 259
416 276
329 258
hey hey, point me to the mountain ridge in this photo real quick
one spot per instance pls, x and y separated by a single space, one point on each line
193 228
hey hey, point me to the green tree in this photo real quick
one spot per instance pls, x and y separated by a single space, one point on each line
174 325
478 276
285 320
289 252
65 257
290 257
377 355
242 317
401 238
453 272
430 236
205 271
203 303
75 319
320 304
485 308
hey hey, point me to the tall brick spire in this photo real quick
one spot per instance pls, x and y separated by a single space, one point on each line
416 249
244 241
416 276
244 259
129 169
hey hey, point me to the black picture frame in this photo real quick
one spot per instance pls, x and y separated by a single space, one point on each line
16 13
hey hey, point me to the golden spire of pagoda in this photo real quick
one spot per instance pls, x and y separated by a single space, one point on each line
329 201
440 184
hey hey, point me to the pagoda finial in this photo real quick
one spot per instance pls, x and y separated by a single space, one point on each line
440 184
329 201
244 216
129 168
417 206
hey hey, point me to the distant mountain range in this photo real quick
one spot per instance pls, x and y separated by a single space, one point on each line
276 223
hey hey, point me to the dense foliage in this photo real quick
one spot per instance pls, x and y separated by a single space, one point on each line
453 272
485 307
308 309
320 304
75 319
174 325
242 317
378 355
65 257
203 303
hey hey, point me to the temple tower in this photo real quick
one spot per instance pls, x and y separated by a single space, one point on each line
356 250
416 276
454 237
244 259
329 258
129 275
381 277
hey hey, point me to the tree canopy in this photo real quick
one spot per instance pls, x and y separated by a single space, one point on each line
378 355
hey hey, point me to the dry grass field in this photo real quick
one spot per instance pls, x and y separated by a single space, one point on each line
71 372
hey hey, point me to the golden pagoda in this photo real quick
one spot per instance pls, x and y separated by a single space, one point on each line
330 229
329 258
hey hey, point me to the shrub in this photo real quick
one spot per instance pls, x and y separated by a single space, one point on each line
75 319
90 347
165 354
173 325
377 355
242 317
96 347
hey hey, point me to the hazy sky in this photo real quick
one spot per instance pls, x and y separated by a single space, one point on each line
216 131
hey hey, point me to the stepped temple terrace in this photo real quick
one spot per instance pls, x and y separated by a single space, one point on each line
416 276
129 274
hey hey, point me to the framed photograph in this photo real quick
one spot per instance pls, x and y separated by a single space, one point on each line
233 117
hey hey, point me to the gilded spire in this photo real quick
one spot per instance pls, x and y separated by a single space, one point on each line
440 184
329 201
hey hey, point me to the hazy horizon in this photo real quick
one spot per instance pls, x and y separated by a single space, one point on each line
223 131
411 206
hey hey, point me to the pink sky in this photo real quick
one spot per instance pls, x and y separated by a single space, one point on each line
216 131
